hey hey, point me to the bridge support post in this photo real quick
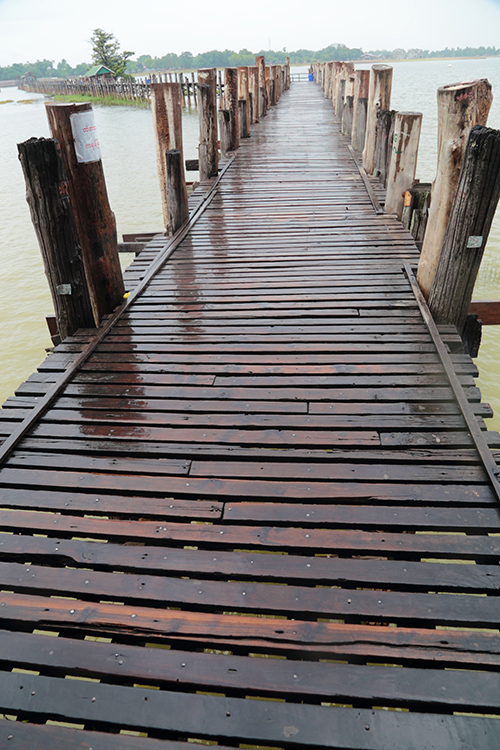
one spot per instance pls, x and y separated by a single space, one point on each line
460 107
207 112
403 160
166 106
472 213
55 226
231 105
261 65
379 97
253 85
73 126
177 203
360 105
244 95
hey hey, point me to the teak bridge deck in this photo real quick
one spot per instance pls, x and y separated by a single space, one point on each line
254 515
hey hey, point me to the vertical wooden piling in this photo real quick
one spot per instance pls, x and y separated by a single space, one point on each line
207 112
267 75
379 97
244 95
403 160
383 139
73 126
55 226
287 74
253 85
472 213
460 107
193 81
177 202
231 105
261 66
166 106
360 106
226 124
347 114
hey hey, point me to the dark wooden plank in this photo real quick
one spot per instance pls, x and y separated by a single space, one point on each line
25 736
227 631
339 682
240 488
262 721
115 504
366 516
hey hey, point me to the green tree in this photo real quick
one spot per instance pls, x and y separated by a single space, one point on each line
106 51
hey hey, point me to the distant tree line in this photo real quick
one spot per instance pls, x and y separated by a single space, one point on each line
229 58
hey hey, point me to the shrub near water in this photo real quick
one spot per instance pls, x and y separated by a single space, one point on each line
111 101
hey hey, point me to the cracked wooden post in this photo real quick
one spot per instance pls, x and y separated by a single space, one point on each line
403 160
287 74
231 105
379 97
244 95
336 71
346 71
460 107
55 226
347 114
177 202
261 65
207 112
383 140
253 86
74 127
360 106
225 126
472 213
166 106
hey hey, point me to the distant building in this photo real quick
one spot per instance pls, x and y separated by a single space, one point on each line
369 56
28 78
99 71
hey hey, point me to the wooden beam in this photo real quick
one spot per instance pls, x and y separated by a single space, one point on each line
488 310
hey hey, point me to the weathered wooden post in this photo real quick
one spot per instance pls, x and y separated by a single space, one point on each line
267 74
379 97
74 127
193 81
207 112
166 106
347 114
403 160
244 95
253 85
383 139
226 124
472 213
416 210
177 202
261 65
346 71
328 80
336 72
287 74
359 107
55 226
460 107
231 105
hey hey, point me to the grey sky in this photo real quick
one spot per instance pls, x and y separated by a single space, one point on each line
56 29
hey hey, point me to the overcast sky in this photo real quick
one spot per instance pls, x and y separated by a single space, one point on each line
56 29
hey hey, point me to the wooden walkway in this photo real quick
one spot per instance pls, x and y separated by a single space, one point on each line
254 516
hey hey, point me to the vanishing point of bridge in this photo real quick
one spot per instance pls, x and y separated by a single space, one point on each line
254 515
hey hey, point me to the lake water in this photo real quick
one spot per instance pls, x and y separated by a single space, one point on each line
126 138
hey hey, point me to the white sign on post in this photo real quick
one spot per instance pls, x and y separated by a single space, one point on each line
84 132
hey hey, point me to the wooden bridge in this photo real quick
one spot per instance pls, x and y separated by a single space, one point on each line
252 512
